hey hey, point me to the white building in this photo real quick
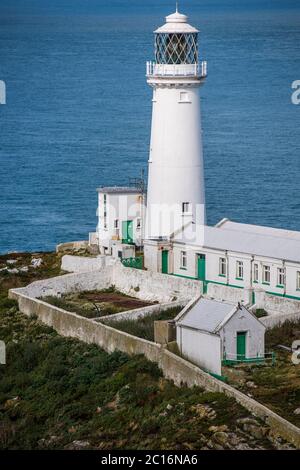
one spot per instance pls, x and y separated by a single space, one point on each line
120 220
234 255
208 331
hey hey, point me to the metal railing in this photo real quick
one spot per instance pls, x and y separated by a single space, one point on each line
234 359
176 70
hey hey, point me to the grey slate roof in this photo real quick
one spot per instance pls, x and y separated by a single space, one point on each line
227 224
119 190
206 314
252 243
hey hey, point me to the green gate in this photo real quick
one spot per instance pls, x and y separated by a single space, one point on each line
241 345
127 231
164 261
133 262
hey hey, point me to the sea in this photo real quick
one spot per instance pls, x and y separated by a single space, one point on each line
78 110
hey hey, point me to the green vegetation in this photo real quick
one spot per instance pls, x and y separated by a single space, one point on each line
54 391
283 334
260 312
278 386
144 327
94 304
59 393
50 267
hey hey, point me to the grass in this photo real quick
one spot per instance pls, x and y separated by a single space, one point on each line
283 334
144 327
49 268
95 304
278 386
88 310
54 391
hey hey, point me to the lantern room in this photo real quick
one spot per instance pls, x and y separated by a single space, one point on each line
176 42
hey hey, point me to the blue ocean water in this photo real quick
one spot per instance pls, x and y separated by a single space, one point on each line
78 110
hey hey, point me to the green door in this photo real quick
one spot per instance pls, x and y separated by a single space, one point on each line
127 231
201 267
201 271
241 345
164 261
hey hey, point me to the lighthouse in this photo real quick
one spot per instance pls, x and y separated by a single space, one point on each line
176 193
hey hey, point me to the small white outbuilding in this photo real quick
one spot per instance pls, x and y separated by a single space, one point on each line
208 331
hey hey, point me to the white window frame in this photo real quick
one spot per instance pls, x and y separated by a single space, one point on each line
298 280
222 267
184 97
183 260
185 207
266 274
255 272
281 277
240 270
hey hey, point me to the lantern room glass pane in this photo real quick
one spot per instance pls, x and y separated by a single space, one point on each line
176 48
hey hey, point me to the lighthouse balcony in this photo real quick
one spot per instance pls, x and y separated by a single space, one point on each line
176 70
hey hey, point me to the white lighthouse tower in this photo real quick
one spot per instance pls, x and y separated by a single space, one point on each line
176 193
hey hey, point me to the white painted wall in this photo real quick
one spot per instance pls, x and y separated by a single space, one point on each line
176 158
122 207
212 270
77 264
243 320
201 348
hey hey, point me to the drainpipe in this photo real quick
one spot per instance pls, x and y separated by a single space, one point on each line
251 270
283 265
227 267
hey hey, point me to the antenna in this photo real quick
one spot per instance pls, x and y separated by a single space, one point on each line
176 7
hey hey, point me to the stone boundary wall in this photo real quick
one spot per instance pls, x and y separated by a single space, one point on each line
274 320
227 293
69 283
147 285
140 312
78 245
79 264
275 304
173 367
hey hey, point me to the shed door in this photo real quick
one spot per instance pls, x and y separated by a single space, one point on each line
164 261
241 345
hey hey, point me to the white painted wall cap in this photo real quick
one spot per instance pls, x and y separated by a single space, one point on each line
176 23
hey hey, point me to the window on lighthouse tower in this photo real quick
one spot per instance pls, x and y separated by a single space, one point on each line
176 48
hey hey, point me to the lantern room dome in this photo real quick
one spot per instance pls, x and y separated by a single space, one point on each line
176 23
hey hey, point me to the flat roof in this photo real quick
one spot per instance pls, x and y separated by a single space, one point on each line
119 190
